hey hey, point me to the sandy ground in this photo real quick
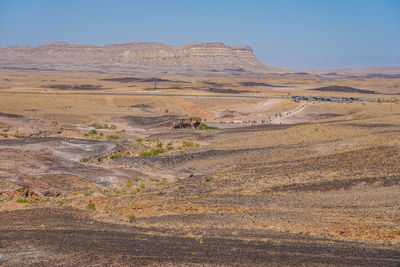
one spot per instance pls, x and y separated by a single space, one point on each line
93 177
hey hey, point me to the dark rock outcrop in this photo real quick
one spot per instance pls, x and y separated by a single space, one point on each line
187 123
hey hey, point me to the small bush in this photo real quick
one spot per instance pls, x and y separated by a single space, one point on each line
22 200
188 144
153 179
131 217
116 156
97 126
206 127
112 137
153 152
128 183
92 132
88 193
145 154
137 190
163 181
139 140
85 160
91 206
113 127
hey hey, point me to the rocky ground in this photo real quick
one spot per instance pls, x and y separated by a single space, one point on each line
121 186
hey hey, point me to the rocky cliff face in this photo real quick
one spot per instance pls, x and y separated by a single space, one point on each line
141 57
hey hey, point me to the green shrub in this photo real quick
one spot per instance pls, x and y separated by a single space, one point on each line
206 127
91 206
139 140
153 179
22 200
92 132
116 156
97 126
128 183
137 190
188 144
145 154
112 137
88 193
152 152
163 181
131 217
85 159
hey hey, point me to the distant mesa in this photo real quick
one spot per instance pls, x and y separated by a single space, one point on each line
140 57
347 89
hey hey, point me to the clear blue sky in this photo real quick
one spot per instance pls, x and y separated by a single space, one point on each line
296 34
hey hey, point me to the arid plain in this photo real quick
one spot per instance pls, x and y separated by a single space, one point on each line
93 171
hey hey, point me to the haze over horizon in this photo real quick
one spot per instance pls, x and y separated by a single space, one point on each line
288 34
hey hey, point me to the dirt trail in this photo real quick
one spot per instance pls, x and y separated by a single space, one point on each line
285 117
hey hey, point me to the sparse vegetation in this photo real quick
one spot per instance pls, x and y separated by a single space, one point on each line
116 156
152 152
91 206
131 217
92 132
22 200
88 193
188 143
206 127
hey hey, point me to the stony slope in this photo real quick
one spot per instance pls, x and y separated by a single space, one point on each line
142 57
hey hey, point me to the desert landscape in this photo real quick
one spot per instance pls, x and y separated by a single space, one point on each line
225 164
